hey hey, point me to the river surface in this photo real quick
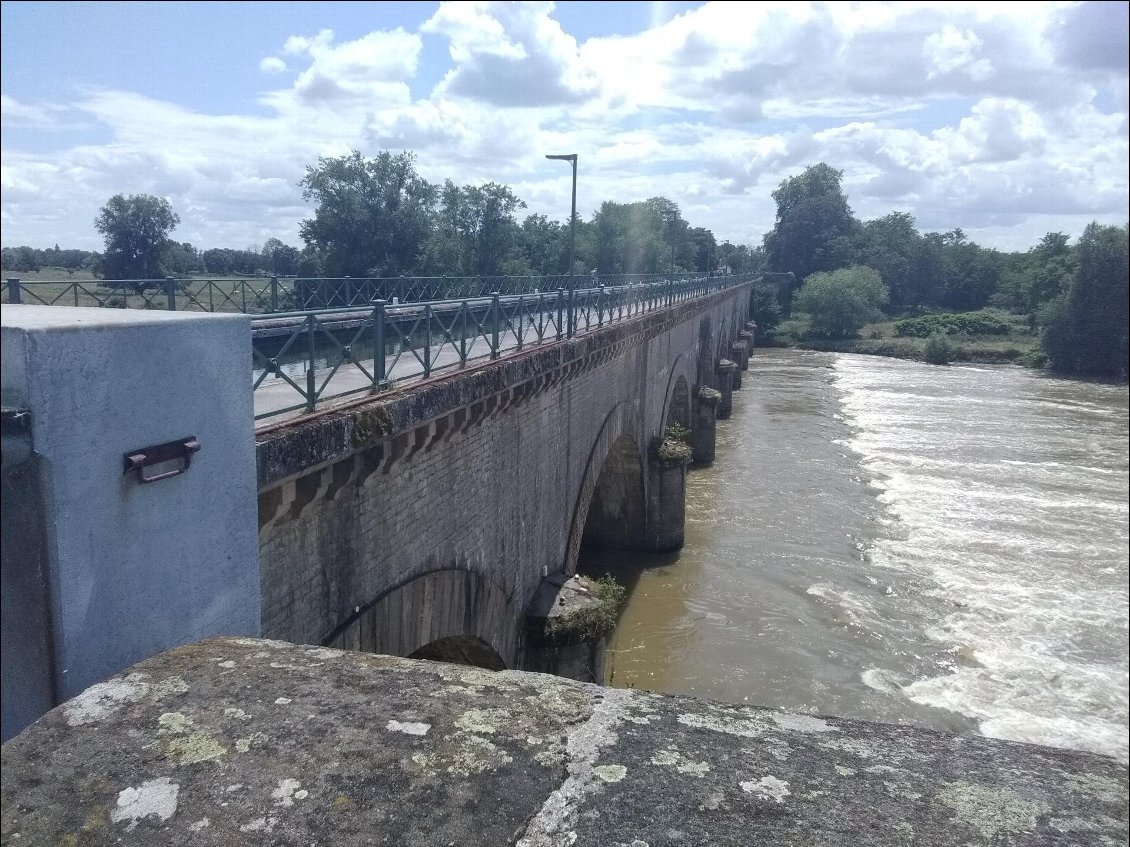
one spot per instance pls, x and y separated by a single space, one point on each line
886 540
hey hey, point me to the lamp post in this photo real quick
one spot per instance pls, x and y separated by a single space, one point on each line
572 159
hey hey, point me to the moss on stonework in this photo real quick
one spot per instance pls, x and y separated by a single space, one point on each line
591 621
371 425
709 395
673 453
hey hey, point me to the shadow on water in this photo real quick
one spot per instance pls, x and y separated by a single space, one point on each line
625 566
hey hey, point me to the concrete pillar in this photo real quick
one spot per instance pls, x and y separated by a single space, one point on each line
666 502
704 425
751 328
747 338
739 354
725 370
140 427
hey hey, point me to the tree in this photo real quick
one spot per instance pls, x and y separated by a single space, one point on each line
1031 280
815 228
891 245
136 228
279 258
546 244
841 301
475 232
764 306
1087 333
372 216
705 247
642 238
970 274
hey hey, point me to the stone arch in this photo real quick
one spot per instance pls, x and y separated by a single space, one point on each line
461 650
620 429
705 352
677 399
722 344
451 612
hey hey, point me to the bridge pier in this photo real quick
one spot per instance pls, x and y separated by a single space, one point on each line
703 433
745 338
737 351
751 328
725 370
666 504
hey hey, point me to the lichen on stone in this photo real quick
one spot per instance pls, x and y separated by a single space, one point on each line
991 811
194 748
156 798
726 724
484 721
768 787
610 773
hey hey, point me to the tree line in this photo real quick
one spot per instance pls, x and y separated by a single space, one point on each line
377 217
849 273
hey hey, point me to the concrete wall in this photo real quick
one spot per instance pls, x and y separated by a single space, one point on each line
491 471
122 570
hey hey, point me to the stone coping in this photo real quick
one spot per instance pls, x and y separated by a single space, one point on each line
245 741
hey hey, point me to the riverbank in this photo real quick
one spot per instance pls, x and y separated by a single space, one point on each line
1018 346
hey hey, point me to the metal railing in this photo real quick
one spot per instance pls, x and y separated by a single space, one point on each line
273 295
304 358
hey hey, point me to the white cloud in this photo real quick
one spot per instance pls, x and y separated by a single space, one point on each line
951 50
1004 121
377 65
272 65
510 54
14 113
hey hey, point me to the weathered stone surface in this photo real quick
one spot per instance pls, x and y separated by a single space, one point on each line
239 741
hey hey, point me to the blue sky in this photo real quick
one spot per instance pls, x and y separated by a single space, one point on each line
1007 120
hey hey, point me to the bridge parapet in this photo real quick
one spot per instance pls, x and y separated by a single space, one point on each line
240 741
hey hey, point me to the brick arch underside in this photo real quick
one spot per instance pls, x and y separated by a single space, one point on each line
620 427
677 400
453 614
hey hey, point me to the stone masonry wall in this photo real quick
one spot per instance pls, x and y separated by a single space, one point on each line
488 470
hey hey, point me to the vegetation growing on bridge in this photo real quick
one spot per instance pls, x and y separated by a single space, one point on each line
674 449
591 621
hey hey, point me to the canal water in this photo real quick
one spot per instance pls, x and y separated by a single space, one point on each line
886 540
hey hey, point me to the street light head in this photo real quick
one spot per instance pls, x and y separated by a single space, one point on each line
565 157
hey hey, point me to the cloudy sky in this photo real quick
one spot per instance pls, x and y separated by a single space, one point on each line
1008 120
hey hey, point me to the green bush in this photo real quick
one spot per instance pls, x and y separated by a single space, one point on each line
937 350
841 301
952 323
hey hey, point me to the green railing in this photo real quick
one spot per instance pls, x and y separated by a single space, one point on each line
273 295
304 358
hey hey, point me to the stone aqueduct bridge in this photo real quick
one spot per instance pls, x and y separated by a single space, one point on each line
423 522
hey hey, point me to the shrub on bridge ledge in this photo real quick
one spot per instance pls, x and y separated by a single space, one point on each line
589 622
672 452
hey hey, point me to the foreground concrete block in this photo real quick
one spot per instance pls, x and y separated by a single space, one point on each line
239 741
122 569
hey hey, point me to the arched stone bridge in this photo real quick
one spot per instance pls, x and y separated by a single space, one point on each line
422 522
